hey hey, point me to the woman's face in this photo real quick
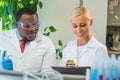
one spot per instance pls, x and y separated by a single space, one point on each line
28 26
81 26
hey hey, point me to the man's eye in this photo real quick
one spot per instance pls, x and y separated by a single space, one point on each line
83 24
35 24
26 26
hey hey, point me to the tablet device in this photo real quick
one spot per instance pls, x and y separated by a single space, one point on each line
71 70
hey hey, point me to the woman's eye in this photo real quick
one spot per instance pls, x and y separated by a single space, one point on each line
74 26
83 24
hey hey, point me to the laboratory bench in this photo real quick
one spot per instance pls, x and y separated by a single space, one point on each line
73 77
15 75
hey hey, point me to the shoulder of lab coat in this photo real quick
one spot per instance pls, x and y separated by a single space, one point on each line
71 49
93 43
100 48
50 56
5 36
7 33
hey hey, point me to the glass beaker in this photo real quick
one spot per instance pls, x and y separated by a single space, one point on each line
30 76
50 74
116 46
46 74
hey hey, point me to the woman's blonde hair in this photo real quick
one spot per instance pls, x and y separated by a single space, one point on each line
82 10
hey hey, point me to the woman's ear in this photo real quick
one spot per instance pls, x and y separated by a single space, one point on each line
91 22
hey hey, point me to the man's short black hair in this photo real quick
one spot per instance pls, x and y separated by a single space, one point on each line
24 10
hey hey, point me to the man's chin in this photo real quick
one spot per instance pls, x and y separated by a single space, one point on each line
31 38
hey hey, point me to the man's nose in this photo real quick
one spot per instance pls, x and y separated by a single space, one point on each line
32 28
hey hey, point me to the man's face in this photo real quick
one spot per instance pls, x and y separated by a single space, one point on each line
28 26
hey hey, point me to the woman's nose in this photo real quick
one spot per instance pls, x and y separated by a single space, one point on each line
79 29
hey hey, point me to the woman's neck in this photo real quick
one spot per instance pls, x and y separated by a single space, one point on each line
81 42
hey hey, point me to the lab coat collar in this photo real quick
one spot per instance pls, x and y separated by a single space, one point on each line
18 35
15 41
38 37
91 43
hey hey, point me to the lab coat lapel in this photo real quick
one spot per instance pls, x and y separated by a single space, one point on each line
33 43
15 41
85 50
89 45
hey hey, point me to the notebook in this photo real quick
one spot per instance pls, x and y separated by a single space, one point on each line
71 70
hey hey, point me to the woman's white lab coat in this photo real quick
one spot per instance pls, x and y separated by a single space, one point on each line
91 50
40 53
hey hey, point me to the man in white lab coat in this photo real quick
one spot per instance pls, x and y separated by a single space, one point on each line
39 51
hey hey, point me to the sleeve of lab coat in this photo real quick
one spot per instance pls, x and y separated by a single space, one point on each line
102 51
101 54
49 58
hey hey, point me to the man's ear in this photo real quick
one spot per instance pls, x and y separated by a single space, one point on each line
16 24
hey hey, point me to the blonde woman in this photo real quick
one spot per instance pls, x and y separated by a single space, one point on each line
83 50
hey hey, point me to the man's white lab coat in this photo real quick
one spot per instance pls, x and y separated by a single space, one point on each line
40 53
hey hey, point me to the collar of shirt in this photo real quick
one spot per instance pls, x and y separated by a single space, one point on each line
19 37
38 37
91 42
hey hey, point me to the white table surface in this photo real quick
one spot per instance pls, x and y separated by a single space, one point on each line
13 75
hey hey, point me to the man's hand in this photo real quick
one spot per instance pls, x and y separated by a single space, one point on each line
6 62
